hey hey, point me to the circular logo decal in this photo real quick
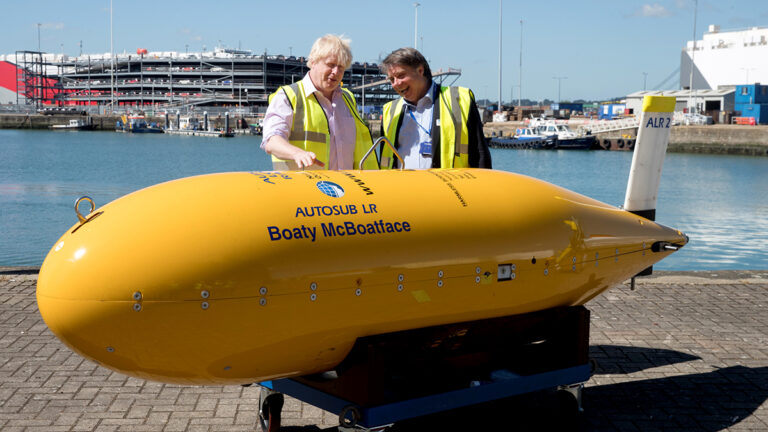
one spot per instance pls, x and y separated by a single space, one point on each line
331 189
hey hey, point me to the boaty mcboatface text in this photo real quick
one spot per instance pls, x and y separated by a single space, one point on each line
336 229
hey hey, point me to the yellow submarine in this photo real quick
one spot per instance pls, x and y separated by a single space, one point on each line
250 276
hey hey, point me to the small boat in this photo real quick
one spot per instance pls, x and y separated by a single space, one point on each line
73 125
191 126
136 124
566 139
524 138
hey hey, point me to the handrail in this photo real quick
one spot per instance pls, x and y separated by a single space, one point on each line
368 153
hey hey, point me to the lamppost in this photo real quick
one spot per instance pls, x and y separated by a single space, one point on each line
416 25
520 78
500 109
559 80
112 62
746 79
693 53
363 88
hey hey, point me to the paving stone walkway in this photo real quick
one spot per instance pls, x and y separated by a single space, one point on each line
683 352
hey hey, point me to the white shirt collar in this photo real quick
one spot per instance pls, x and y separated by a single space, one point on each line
309 87
425 100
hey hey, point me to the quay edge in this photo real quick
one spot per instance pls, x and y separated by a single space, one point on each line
710 139
104 122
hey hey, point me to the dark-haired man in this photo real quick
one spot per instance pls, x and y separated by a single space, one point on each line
430 126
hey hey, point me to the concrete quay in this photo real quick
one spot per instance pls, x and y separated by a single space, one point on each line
104 122
685 351
711 139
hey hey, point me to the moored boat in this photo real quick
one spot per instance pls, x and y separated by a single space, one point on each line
136 124
191 126
524 138
73 125
566 139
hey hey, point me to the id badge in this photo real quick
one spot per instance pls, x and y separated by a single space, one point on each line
425 148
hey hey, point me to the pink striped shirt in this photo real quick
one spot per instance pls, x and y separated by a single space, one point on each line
341 124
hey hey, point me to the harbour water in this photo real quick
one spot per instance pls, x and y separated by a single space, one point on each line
719 201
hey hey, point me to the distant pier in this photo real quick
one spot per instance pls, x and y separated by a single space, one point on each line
100 121
712 139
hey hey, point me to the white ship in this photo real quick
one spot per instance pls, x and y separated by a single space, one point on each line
726 58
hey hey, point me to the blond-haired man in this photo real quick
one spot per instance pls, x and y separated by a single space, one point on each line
314 123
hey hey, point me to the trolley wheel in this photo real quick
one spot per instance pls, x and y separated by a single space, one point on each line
349 416
270 407
567 409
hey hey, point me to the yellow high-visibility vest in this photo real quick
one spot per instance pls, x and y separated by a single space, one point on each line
454 103
309 129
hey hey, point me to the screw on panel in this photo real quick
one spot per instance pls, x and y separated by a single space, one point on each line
546 272
573 260
513 276
263 301
313 297
439 283
514 267
358 292
313 286
440 273
477 279
137 296
204 294
478 270
573 268
204 305
400 277
137 307
110 349
263 290
399 287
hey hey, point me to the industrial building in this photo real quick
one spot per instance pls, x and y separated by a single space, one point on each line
170 80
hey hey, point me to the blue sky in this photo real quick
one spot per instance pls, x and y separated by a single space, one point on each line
602 47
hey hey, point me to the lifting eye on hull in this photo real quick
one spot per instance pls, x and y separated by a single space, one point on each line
87 218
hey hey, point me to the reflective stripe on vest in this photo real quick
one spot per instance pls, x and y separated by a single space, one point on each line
454 106
310 131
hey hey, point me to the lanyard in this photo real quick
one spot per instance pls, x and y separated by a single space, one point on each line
428 131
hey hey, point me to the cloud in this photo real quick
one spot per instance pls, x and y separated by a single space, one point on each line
653 10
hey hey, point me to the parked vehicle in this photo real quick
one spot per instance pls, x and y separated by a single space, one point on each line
696 119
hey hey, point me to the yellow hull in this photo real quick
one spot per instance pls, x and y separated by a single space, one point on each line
241 277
